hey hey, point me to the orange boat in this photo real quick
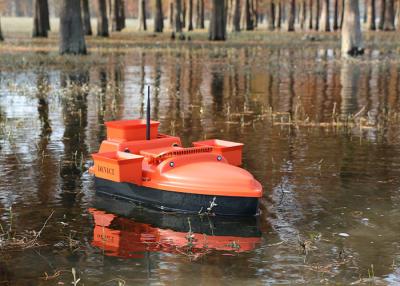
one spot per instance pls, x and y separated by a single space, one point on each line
137 163
129 232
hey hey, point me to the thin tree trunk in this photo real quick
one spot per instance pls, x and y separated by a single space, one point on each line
46 14
177 16
389 16
40 24
382 16
310 14
158 17
171 14
142 15
342 14
271 16
184 14
335 14
119 15
1 33
365 17
202 25
324 25
87 27
317 14
398 16
292 15
302 14
217 29
371 15
102 20
190 15
351 30
247 16
72 40
278 13
236 16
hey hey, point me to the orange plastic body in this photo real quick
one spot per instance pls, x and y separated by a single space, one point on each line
131 239
209 168
130 130
118 166
232 151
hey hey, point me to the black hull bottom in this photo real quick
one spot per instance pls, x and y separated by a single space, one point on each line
178 202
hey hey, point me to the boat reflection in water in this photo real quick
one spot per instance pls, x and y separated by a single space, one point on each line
125 230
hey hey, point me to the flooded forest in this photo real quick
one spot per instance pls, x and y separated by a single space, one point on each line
310 87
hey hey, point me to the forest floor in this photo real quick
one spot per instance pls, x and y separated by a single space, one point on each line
17 33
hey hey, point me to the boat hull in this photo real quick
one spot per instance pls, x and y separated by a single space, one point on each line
178 201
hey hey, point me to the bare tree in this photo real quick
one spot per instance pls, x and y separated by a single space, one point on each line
248 20
317 14
388 24
171 14
310 14
271 15
335 14
236 16
371 15
1 33
72 40
102 20
87 27
217 29
177 16
302 14
351 30
158 17
142 15
382 15
190 14
324 23
292 15
278 14
41 23
201 18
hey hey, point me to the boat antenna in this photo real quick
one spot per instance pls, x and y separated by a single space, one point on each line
148 114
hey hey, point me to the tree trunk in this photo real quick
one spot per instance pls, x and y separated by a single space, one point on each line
371 15
310 14
190 15
292 15
324 25
342 14
183 14
248 17
1 33
202 25
142 15
40 24
271 16
335 14
365 11
382 16
398 16
46 14
278 13
236 16
171 14
72 40
351 30
317 14
217 29
87 27
302 14
388 24
102 20
177 16
119 17
158 17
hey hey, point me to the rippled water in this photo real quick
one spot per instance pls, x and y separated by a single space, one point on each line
331 208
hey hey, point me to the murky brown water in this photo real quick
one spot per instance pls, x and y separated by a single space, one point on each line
334 190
